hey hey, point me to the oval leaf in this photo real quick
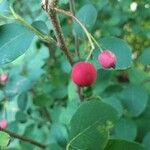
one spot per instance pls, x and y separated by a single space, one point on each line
125 129
135 99
123 145
87 15
145 57
14 41
90 125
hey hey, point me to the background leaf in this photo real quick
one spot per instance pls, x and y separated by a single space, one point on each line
84 15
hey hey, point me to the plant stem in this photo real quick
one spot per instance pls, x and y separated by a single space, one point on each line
25 139
58 32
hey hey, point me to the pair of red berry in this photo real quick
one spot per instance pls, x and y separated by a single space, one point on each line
84 73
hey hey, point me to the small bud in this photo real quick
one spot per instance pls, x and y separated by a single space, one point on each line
3 124
107 59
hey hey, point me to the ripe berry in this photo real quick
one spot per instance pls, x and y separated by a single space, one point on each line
107 59
3 77
3 124
83 74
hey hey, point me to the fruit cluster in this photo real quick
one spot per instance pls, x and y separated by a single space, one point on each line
84 73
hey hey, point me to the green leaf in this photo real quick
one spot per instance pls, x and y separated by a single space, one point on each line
42 100
53 146
90 125
135 99
15 40
64 1
4 139
136 76
21 117
125 129
123 145
146 140
22 101
120 49
72 94
59 132
145 57
87 15
17 85
41 26
115 103
99 3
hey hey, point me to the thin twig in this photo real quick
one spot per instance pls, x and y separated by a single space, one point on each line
72 9
25 139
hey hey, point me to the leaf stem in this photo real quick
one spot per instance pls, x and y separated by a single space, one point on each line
89 36
72 9
42 36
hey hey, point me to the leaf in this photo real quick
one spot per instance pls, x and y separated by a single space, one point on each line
136 76
22 101
145 57
90 125
41 26
53 146
4 139
115 103
123 145
135 99
72 94
100 3
4 7
63 1
120 49
17 85
42 100
59 132
15 40
146 140
87 15
125 129
21 117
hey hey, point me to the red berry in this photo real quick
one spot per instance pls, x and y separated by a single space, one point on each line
3 77
83 74
3 124
107 59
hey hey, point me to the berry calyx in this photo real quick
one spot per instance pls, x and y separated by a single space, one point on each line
3 124
83 74
107 59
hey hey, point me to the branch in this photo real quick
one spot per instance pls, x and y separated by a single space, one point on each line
25 139
58 32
